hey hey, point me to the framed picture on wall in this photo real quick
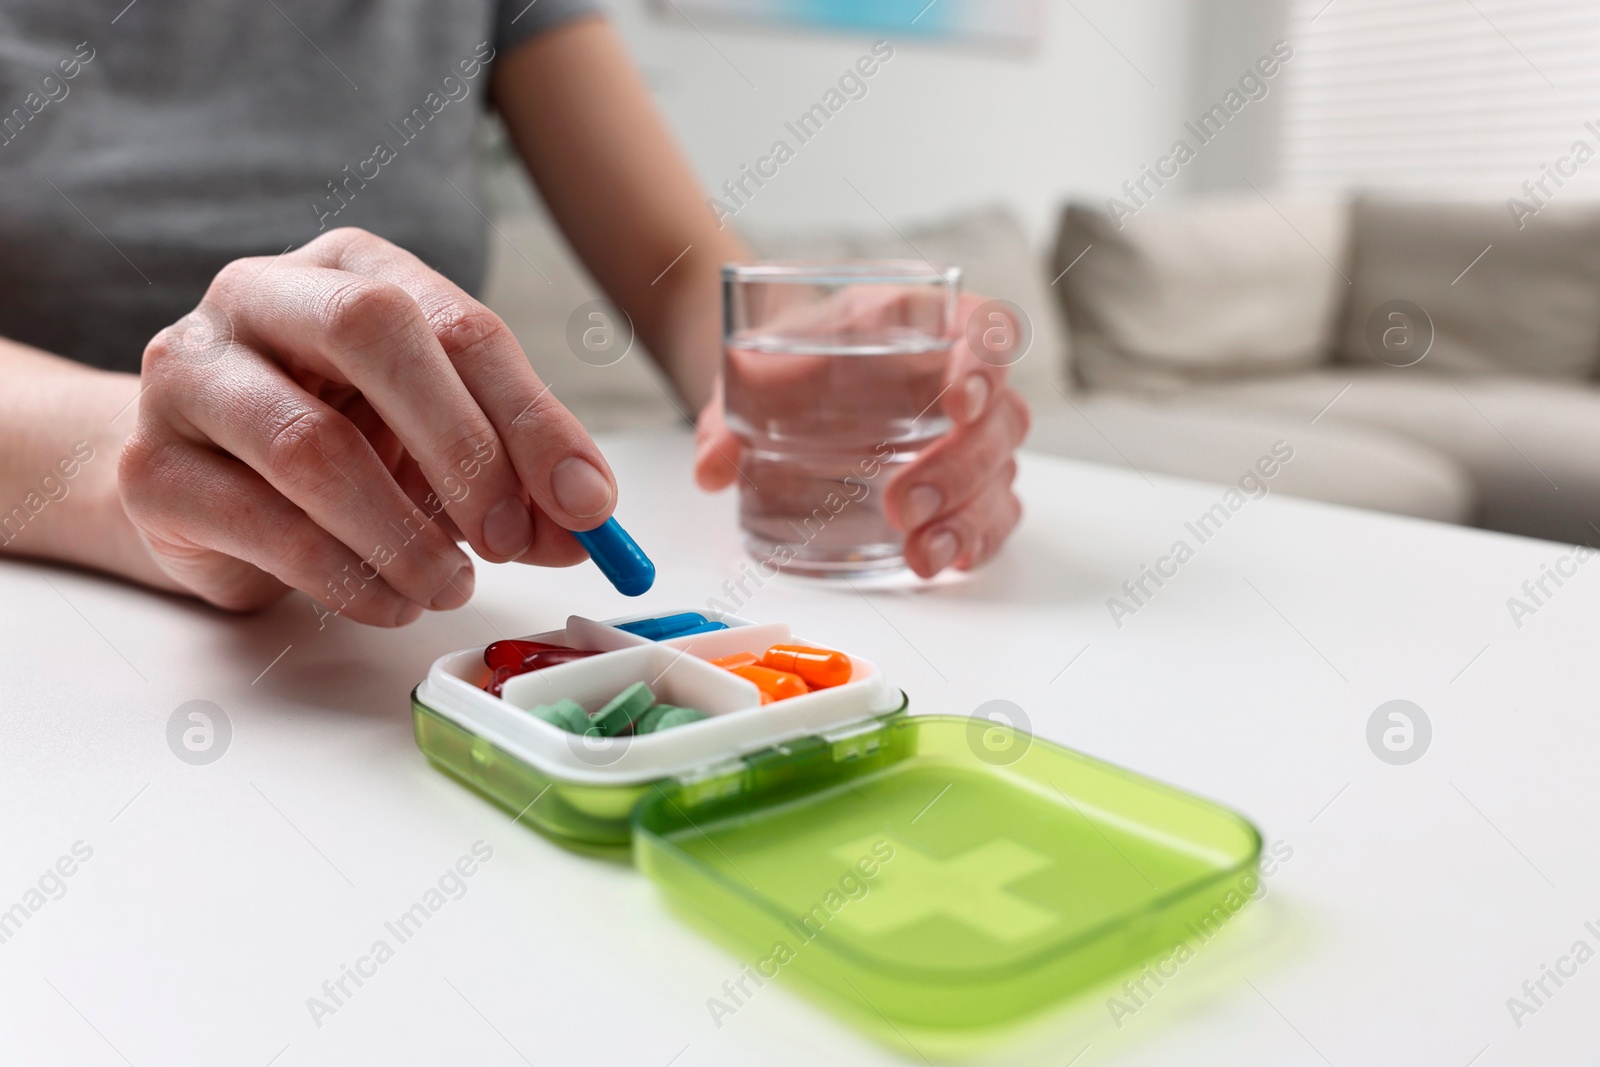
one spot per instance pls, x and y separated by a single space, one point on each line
994 22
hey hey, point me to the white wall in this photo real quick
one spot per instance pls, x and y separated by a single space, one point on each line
942 127
1230 38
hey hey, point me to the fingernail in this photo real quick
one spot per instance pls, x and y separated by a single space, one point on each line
580 488
922 503
942 548
508 528
976 391
456 592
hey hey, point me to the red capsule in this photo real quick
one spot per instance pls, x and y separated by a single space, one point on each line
507 659
498 678
538 661
511 653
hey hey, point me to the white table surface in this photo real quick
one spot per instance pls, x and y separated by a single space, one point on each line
1417 900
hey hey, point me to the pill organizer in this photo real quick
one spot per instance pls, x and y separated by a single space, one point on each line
920 873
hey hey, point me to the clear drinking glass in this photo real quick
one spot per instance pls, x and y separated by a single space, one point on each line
833 376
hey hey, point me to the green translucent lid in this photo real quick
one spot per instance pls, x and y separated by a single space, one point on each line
920 874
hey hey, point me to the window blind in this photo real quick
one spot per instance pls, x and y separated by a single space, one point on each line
1464 98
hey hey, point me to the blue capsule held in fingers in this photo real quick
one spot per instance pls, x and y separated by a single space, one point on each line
619 558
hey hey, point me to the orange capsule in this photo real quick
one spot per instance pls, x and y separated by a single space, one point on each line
780 685
738 659
819 667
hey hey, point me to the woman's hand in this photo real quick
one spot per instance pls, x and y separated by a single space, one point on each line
333 420
954 501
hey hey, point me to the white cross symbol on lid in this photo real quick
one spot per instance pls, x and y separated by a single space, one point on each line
969 888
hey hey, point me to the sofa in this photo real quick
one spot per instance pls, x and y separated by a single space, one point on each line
1426 359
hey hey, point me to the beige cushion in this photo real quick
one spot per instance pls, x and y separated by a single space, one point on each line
1200 289
996 260
1337 464
1529 446
1529 306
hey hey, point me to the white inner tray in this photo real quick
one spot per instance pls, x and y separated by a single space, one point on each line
676 671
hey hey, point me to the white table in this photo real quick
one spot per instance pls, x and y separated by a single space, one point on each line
1418 898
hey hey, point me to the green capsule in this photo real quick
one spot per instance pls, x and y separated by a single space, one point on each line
564 715
624 709
646 723
674 716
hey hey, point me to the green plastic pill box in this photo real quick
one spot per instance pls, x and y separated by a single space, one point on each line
933 873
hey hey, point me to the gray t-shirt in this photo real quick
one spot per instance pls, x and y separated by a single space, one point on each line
141 151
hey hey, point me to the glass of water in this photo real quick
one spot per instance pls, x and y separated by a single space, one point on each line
833 376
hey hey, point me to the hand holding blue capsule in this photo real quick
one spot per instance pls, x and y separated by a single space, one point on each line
619 558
